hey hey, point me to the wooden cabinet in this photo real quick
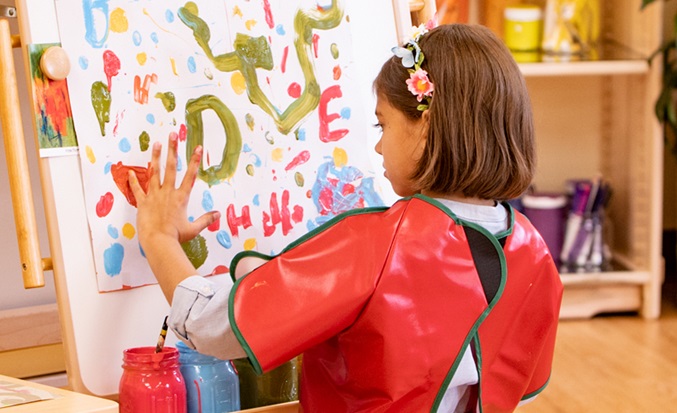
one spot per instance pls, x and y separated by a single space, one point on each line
597 117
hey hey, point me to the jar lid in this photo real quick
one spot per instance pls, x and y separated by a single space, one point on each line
544 201
523 13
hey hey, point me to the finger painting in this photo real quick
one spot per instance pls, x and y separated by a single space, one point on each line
267 87
53 117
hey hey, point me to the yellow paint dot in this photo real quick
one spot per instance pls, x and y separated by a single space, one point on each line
340 157
171 59
250 244
237 11
128 231
118 21
250 23
277 154
237 83
141 58
90 154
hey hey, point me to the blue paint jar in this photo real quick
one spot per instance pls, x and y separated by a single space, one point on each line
212 384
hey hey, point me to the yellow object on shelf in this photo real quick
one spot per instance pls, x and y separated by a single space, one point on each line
571 26
522 27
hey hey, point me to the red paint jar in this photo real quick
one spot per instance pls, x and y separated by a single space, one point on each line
152 382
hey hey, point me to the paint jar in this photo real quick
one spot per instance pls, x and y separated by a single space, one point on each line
547 212
152 382
522 27
212 385
279 385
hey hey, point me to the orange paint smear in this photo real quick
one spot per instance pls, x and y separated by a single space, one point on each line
120 175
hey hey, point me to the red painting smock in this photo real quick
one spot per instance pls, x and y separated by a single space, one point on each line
383 302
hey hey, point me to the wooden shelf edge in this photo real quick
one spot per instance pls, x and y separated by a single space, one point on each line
606 278
622 67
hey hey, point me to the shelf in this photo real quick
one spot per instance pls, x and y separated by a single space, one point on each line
626 67
608 59
606 277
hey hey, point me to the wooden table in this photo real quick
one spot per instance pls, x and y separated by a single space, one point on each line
69 402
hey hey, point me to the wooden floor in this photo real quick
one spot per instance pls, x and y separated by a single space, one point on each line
619 364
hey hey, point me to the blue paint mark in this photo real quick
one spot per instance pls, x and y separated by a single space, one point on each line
169 16
113 232
191 64
327 174
310 225
224 239
92 36
106 167
179 165
150 118
256 201
124 145
301 134
207 201
136 38
83 62
153 37
112 259
255 160
345 113
280 30
143 253
246 148
191 218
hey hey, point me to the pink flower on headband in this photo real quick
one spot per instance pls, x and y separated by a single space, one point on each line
419 85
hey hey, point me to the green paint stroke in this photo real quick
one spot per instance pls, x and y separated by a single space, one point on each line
144 141
101 103
250 121
334 51
196 251
195 136
252 53
168 100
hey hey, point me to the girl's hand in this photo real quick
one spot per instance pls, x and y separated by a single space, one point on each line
162 219
162 212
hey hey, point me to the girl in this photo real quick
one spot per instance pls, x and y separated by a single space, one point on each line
449 301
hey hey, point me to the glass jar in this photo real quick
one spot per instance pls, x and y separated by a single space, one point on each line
212 385
279 385
152 382
522 28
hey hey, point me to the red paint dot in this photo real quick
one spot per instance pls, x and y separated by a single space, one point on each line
294 90
105 204
214 226
337 72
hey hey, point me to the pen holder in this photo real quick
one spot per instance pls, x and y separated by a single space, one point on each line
152 382
547 212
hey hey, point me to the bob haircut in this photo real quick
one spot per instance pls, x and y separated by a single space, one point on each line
480 141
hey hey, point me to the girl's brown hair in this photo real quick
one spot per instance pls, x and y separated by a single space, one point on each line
480 139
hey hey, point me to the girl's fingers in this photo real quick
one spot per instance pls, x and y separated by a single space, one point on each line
170 167
154 181
134 185
204 221
191 172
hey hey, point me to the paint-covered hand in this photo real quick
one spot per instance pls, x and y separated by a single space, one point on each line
162 210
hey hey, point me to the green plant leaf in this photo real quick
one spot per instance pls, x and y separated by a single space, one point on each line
646 3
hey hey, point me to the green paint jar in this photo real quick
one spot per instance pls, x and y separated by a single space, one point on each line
522 27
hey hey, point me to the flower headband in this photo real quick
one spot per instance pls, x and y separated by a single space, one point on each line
412 58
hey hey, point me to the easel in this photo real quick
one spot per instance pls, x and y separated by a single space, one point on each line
31 259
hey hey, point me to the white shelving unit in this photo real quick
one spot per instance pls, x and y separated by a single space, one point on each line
597 117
